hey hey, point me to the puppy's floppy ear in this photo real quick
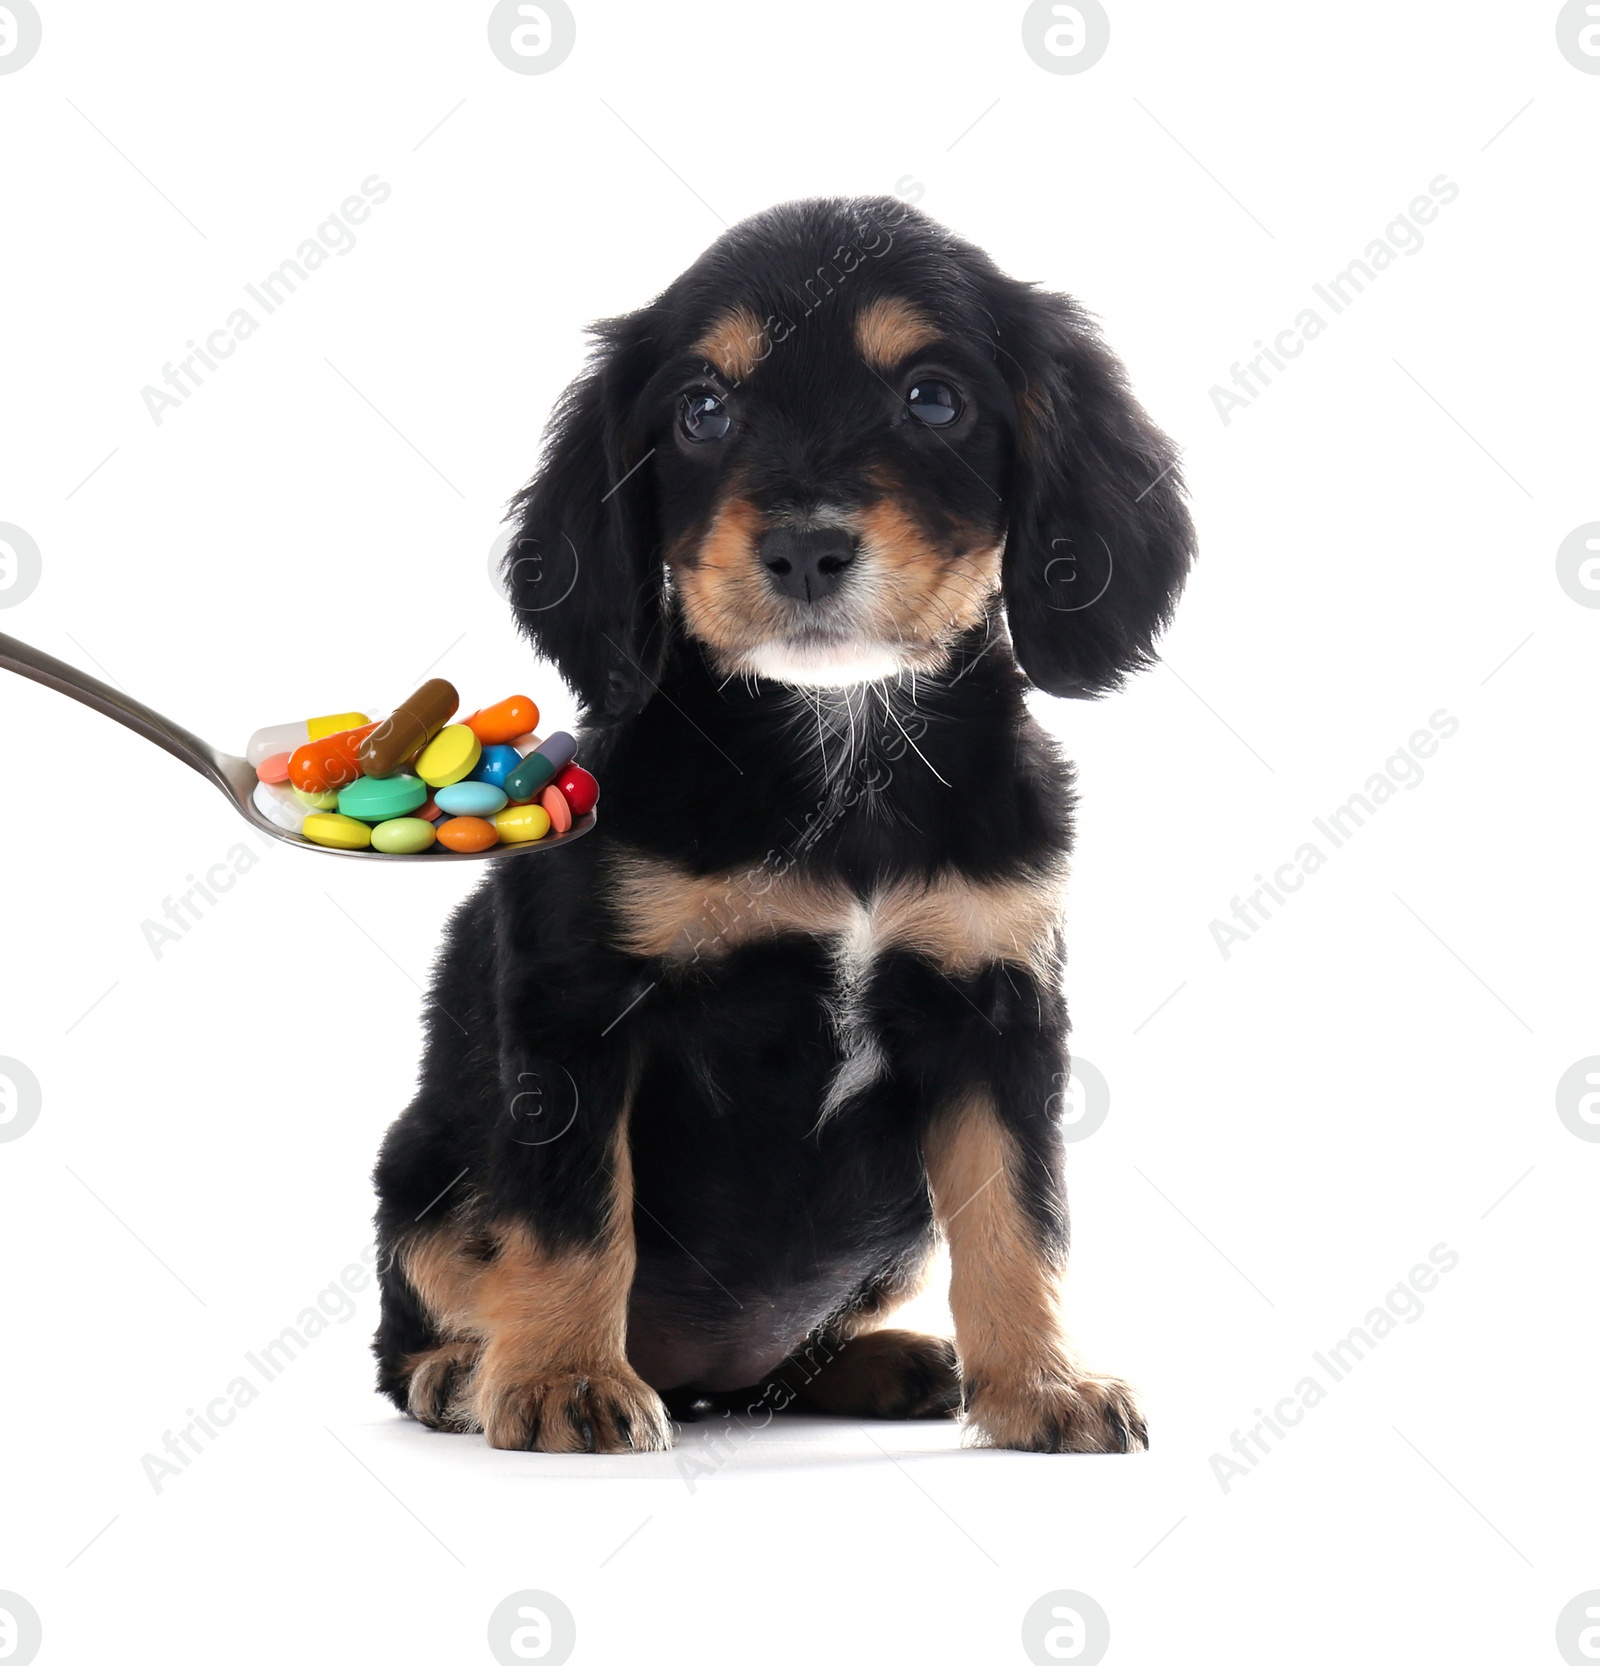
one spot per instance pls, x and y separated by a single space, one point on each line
1098 540
584 569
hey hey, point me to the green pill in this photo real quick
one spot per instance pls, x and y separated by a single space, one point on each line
382 798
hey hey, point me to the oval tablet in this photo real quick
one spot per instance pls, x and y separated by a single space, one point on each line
450 756
467 834
470 798
404 836
556 808
522 824
499 724
317 801
382 798
339 832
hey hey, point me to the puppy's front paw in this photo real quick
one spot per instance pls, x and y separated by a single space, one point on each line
610 1410
1055 1410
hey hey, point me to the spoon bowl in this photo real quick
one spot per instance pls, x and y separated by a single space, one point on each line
230 775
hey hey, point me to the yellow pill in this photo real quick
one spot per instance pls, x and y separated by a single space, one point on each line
340 832
317 801
450 756
317 728
521 824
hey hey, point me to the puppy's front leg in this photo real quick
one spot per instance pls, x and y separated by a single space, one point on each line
551 1308
998 1195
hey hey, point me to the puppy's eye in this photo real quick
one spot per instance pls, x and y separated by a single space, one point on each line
703 416
935 403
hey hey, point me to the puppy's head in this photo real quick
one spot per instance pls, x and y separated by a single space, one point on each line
838 438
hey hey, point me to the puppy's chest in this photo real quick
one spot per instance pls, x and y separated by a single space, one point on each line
958 923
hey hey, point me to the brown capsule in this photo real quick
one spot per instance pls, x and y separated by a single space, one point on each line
408 728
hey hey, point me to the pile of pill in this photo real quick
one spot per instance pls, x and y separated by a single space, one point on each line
417 780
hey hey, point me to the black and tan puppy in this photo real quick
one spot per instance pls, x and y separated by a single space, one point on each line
701 1094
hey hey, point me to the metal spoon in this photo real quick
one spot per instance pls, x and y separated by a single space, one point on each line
231 776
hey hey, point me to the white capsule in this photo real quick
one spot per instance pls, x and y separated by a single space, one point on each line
285 737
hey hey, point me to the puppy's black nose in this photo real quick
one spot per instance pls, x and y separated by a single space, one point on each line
807 565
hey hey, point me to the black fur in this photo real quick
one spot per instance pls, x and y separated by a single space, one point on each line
756 1227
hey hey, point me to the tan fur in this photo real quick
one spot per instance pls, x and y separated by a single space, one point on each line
726 597
548 1331
963 924
735 344
890 330
1024 1387
959 924
925 596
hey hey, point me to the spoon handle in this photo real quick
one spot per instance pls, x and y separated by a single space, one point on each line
28 661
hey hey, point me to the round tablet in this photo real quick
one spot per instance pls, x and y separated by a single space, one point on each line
450 756
382 797
556 808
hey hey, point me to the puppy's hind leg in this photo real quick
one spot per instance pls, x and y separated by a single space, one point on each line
856 1367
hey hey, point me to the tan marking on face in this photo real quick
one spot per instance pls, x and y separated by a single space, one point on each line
959 924
735 344
924 595
1032 411
891 330
727 600
906 591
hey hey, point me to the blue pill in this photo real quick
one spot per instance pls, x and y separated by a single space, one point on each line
471 798
495 765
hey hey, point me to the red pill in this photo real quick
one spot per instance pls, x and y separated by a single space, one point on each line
579 787
273 770
467 834
429 811
326 765
501 724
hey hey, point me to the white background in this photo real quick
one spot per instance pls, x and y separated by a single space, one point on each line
1368 1076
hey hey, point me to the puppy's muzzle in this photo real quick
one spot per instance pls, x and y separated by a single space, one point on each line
807 565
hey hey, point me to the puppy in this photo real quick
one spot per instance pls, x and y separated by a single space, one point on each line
701 1094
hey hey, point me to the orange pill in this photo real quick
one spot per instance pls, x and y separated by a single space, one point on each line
467 834
501 724
556 808
326 765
